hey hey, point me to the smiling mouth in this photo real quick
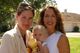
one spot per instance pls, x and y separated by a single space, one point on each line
50 23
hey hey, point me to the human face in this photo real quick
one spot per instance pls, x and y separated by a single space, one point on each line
24 20
39 35
49 18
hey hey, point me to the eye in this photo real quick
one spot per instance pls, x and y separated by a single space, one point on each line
23 18
35 35
46 15
30 18
53 16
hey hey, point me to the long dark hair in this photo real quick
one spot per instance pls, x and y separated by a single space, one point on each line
59 23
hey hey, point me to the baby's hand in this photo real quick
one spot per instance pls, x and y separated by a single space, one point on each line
39 44
28 50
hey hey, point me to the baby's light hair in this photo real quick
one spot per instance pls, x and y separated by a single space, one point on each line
41 28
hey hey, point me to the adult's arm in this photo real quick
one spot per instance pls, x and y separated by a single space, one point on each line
63 44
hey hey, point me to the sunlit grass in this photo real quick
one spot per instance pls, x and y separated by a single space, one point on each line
74 45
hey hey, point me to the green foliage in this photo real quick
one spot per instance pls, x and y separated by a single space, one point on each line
7 8
76 29
37 4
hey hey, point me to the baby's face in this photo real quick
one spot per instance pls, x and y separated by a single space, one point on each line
39 35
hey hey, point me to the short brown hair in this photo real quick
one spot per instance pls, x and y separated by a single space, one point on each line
24 6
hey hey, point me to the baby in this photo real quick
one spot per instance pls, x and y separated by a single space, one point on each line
40 33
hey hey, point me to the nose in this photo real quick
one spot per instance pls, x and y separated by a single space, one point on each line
26 21
49 18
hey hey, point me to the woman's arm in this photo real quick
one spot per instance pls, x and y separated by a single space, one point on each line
63 44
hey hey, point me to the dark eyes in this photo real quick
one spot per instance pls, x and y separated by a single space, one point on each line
37 34
49 15
26 18
31 18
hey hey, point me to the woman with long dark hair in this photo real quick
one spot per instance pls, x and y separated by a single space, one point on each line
57 41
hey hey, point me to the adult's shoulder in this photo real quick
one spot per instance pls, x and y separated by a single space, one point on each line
63 37
7 42
8 34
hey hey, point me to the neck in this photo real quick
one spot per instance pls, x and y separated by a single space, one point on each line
23 32
50 31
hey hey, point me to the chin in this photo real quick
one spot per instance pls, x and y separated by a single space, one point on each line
26 27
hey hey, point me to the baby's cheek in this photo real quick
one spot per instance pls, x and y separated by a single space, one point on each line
39 38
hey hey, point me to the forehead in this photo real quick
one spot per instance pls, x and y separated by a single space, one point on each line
49 10
37 30
27 13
